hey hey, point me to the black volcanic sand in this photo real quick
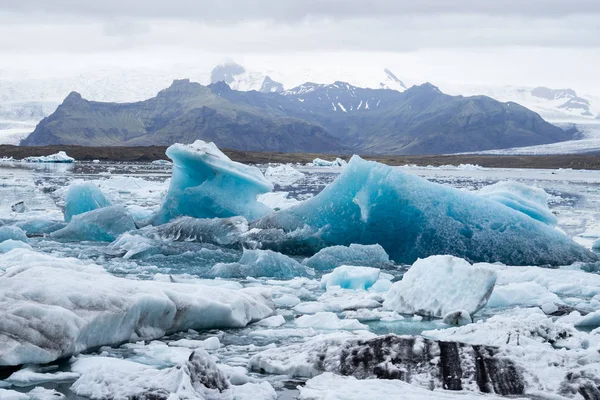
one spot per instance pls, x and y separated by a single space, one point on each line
151 153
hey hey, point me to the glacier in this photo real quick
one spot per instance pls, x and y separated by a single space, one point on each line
261 263
356 254
83 197
411 218
101 225
529 200
207 184
438 285
53 307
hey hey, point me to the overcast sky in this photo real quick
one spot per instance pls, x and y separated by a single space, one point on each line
523 42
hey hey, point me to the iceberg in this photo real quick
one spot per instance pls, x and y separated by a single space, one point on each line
8 232
261 263
356 254
329 321
350 277
60 157
283 175
413 218
162 162
198 378
338 162
10 244
53 307
225 232
277 200
83 197
40 226
100 225
207 184
529 200
437 285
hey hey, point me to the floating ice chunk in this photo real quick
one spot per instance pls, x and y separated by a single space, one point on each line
283 175
286 301
10 244
437 285
261 263
529 200
381 286
162 162
6 394
350 277
271 322
133 246
596 245
282 333
310 307
522 294
338 162
356 254
277 200
8 232
141 215
110 378
219 231
54 307
31 376
19 207
591 320
329 321
40 226
328 386
101 225
83 197
212 343
60 157
412 218
207 184
460 317
254 391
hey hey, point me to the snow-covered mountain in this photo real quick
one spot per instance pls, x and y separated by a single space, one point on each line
25 101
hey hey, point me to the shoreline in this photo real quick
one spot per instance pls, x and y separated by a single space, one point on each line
151 153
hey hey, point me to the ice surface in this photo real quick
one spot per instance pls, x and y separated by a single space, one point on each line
101 225
271 322
350 277
30 376
283 175
328 386
412 218
329 321
219 231
277 200
522 294
54 307
206 184
199 378
211 343
60 157
529 200
10 244
319 162
8 232
261 263
83 197
40 226
437 285
254 391
356 254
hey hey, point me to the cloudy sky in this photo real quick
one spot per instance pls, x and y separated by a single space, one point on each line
522 42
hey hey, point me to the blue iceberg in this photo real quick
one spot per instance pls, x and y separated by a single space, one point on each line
529 200
8 232
411 218
83 197
261 263
350 277
226 232
207 184
40 226
101 225
357 254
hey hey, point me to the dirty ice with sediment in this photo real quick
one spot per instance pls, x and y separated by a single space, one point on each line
350 279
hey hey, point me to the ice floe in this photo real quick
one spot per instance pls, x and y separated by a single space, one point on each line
351 277
60 157
437 285
101 225
283 175
261 263
83 197
54 307
356 254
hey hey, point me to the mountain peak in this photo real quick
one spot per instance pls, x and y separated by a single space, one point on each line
392 77
73 97
226 72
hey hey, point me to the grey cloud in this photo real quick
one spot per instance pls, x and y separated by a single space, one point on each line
296 10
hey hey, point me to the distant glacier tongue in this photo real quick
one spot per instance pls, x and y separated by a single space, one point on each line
412 218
